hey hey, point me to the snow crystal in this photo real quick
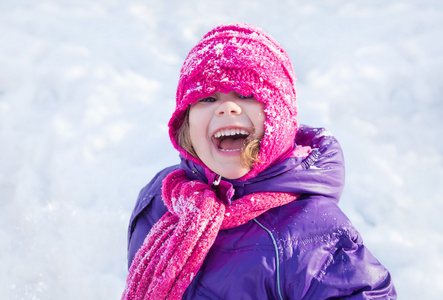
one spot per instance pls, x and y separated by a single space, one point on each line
325 133
219 48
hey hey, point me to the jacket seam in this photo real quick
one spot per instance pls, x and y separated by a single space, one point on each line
145 201
333 234
277 259
322 271
330 257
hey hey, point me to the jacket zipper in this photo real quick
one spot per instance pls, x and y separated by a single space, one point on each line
277 263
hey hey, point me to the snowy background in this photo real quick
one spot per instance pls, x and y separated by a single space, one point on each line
87 88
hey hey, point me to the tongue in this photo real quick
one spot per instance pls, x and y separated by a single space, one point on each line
231 144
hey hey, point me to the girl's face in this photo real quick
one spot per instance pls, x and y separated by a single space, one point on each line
219 126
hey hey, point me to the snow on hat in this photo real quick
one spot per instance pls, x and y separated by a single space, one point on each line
242 58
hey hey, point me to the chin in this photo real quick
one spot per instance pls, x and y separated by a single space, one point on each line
233 174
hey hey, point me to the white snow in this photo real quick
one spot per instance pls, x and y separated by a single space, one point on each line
87 88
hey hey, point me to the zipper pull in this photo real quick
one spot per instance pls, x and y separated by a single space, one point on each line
217 180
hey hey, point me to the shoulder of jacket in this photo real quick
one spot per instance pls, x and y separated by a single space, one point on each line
310 225
154 186
152 189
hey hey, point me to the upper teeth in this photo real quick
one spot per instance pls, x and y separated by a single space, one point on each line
228 132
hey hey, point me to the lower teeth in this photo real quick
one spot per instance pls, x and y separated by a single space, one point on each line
227 150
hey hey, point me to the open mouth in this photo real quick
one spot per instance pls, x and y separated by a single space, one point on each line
231 140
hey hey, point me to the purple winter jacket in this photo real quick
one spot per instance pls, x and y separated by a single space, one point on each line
307 249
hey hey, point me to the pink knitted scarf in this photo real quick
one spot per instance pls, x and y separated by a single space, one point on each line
176 246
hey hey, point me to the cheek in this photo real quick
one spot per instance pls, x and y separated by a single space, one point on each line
197 130
194 134
260 122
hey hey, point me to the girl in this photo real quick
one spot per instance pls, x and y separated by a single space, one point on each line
251 211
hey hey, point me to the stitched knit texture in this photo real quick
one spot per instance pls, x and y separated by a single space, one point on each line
242 58
177 245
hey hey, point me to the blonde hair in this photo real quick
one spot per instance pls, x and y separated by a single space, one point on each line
249 152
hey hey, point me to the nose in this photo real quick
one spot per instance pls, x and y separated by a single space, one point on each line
227 107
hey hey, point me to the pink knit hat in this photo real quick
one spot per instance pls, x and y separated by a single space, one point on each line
242 58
